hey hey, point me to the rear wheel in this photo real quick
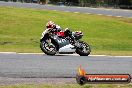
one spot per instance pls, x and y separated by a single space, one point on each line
49 49
84 49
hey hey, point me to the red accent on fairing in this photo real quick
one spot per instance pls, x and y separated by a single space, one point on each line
60 33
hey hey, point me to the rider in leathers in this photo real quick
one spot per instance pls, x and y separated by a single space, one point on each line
51 26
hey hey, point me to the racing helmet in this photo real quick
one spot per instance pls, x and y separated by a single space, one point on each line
50 25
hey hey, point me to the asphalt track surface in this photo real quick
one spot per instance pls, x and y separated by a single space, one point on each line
87 10
61 66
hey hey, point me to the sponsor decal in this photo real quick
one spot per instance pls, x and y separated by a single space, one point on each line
61 40
83 78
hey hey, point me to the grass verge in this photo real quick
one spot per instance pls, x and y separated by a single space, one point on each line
70 86
20 30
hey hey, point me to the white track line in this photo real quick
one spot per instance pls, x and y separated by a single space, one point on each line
122 56
31 53
113 9
7 52
109 15
76 12
54 10
67 11
58 54
97 55
100 14
88 13
118 16
68 54
108 9
126 10
105 15
94 8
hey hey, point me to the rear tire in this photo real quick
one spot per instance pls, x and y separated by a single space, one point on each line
84 50
47 51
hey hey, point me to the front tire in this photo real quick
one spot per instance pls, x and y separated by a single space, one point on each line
84 49
46 49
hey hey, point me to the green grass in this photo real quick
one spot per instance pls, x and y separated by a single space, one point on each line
20 30
70 86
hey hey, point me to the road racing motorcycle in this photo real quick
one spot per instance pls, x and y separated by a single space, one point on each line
63 42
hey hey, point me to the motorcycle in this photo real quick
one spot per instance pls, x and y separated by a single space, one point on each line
66 42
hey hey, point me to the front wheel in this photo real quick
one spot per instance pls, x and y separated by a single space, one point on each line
84 49
49 49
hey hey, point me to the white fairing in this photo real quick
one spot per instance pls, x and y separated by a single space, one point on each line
67 48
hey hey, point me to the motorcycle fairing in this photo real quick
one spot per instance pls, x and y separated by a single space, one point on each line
60 41
64 45
67 49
